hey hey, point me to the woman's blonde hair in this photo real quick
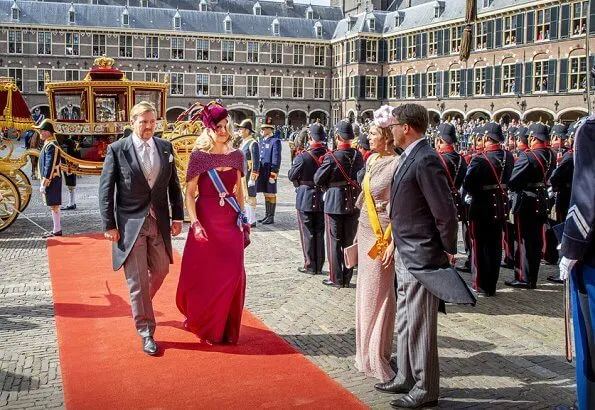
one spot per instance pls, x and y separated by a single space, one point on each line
386 135
206 142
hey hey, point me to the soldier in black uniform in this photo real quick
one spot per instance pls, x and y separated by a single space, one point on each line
528 184
558 147
561 183
308 202
337 176
251 150
486 182
270 162
48 169
69 146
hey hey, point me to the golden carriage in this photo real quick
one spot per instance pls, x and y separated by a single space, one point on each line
92 113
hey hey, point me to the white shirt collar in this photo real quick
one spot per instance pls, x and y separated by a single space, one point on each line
411 146
138 142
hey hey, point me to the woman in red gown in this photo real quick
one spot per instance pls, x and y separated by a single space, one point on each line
212 278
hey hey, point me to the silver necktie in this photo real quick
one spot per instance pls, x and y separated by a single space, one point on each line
146 160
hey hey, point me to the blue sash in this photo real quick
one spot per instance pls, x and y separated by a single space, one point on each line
225 197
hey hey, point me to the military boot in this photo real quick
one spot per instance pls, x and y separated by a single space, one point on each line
270 219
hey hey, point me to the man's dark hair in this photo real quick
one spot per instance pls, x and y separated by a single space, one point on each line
414 115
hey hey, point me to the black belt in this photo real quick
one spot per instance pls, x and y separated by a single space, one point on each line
492 187
336 184
307 183
536 185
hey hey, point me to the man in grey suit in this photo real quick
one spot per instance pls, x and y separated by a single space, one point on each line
138 183
424 224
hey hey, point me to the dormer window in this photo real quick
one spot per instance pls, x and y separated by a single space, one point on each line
15 11
318 29
227 24
372 24
438 8
275 27
202 6
143 3
71 15
125 17
350 24
177 20
257 9
399 17
309 13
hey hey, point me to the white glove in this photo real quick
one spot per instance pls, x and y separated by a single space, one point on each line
251 183
468 199
42 189
550 193
566 266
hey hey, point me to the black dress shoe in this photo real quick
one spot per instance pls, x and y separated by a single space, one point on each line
149 346
304 270
51 234
329 282
408 402
507 265
517 284
68 208
392 387
555 279
268 221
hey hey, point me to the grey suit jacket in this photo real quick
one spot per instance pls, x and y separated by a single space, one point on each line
425 225
125 195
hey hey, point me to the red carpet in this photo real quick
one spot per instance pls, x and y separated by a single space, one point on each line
103 366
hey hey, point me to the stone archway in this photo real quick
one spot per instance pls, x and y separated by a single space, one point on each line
506 116
173 113
277 117
297 118
367 115
478 116
239 114
537 114
434 117
571 115
449 115
318 115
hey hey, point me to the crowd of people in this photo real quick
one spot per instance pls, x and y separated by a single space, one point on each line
393 196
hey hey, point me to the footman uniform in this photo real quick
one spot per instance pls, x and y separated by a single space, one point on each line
270 162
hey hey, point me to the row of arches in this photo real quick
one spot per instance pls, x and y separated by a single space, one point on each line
238 112
545 115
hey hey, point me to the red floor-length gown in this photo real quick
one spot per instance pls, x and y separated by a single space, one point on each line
212 281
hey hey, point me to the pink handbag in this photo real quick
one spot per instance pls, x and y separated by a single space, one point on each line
350 256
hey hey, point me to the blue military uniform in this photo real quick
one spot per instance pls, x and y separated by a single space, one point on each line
49 167
270 162
486 182
578 243
341 214
528 184
69 147
251 150
309 202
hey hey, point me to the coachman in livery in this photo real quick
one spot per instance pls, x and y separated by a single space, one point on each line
251 150
270 162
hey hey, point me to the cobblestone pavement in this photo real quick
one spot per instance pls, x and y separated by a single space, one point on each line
505 352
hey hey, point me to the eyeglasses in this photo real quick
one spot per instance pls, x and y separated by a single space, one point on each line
390 127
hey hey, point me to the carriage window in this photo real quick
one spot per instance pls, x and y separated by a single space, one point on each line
110 107
71 106
152 96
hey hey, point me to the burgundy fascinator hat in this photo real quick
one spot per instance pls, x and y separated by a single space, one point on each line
212 113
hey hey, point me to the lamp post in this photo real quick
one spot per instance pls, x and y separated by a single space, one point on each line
260 109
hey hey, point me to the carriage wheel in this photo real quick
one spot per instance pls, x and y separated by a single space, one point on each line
9 202
24 185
